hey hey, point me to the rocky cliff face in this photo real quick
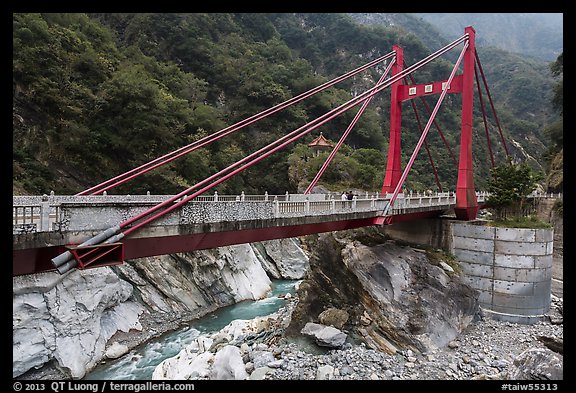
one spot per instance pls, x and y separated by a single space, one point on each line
555 177
282 258
395 297
69 320
72 320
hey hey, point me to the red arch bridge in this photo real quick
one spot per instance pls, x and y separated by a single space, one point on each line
92 229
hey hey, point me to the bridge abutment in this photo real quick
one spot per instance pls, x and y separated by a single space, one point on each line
511 268
431 232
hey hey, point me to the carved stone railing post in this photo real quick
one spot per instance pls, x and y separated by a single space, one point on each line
276 207
44 214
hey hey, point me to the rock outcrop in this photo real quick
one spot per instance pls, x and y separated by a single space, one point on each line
70 322
395 297
538 364
282 258
195 280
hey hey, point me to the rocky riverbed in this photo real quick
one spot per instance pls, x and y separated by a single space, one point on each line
487 349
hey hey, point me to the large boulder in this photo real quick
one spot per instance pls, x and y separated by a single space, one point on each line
69 320
537 364
333 317
228 364
325 336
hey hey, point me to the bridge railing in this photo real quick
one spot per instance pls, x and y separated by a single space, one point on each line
285 208
241 198
554 195
307 207
404 202
35 218
62 213
25 218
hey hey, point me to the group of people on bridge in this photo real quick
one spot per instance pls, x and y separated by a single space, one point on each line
347 196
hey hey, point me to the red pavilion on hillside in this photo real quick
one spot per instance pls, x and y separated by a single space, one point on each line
320 144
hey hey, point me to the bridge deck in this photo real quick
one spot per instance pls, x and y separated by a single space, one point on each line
44 229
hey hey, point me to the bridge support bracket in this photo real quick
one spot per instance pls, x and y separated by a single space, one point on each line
383 220
98 255
466 213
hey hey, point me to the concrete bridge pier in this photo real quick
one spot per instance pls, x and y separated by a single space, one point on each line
431 232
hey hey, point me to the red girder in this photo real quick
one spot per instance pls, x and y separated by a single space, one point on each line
37 260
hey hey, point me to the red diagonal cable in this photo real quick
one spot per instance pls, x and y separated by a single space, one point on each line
491 103
484 116
346 133
122 178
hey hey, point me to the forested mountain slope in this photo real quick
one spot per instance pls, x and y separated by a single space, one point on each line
95 95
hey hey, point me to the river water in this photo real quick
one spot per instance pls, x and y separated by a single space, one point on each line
139 363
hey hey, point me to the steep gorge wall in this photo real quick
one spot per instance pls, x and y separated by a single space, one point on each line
71 320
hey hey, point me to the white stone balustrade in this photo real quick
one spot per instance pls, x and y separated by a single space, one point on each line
67 212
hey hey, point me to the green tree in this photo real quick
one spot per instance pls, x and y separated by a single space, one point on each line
509 187
555 130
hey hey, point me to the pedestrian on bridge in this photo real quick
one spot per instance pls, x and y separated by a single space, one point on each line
349 196
344 198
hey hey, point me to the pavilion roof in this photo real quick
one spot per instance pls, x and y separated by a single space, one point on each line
320 141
